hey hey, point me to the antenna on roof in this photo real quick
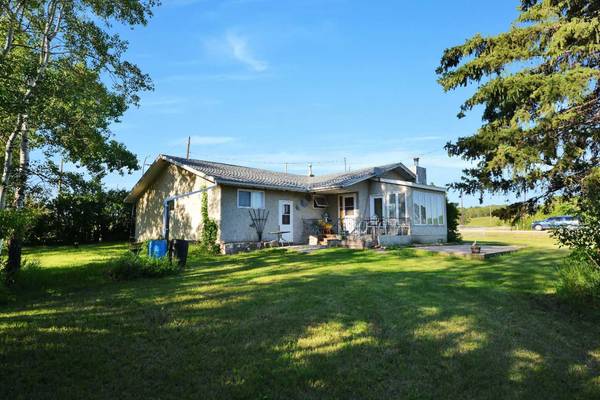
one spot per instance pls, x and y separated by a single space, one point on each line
345 166
187 154
144 165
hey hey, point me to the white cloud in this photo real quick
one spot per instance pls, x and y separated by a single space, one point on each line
205 140
238 46
232 46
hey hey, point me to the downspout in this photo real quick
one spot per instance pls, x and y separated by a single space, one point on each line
176 197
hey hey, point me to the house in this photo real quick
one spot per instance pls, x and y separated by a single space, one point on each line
391 204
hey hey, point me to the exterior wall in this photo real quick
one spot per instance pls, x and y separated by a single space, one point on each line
394 240
395 175
235 224
185 220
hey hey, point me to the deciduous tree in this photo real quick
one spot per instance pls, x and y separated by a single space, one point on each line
63 81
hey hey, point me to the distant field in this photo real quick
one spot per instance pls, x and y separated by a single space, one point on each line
485 222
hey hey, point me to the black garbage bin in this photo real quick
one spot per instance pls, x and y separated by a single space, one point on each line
180 251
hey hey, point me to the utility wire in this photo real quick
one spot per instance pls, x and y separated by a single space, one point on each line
303 163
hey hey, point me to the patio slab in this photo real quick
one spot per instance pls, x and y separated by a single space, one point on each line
464 250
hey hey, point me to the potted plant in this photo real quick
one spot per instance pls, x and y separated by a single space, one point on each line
326 227
475 248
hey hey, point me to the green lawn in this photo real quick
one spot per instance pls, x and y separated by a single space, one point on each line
275 324
485 222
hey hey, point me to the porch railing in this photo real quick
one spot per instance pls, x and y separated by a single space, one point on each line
358 227
383 226
320 227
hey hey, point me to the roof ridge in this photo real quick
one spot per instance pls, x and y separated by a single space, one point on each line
232 165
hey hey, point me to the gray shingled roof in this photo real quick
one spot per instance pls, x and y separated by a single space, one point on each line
236 174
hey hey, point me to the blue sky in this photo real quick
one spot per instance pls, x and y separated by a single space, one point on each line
263 82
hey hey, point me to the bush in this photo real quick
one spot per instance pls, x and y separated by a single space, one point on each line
580 277
16 223
453 219
28 276
579 280
132 266
210 229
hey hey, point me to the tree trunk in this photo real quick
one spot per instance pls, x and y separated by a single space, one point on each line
23 171
15 244
8 165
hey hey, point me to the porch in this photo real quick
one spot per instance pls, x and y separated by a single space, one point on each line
357 233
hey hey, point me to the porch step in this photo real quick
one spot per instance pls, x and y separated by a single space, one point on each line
330 241
333 242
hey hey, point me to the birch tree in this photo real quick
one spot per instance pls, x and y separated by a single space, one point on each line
61 61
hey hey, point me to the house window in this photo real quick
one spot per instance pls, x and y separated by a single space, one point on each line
348 206
428 208
391 206
320 202
396 205
251 199
286 215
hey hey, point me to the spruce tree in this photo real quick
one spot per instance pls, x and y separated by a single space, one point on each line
537 84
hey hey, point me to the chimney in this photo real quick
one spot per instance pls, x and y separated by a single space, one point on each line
310 171
420 172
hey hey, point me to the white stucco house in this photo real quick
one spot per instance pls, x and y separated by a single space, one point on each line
391 202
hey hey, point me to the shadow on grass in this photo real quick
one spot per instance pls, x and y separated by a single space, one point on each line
331 324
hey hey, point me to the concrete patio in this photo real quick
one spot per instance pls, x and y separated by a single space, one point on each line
464 250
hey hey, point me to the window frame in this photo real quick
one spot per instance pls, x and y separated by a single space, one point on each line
386 198
264 200
320 207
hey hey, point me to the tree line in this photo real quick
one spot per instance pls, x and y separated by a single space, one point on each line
98 215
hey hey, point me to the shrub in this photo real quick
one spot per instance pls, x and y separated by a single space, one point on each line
16 223
579 280
210 229
132 266
29 276
453 217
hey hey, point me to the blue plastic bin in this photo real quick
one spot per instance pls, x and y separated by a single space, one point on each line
157 248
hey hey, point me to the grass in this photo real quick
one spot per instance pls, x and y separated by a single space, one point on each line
276 324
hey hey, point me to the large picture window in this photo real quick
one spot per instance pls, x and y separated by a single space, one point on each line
428 208
251 199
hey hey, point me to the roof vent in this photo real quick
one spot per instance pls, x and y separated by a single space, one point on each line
310 171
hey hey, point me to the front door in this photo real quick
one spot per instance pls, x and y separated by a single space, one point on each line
348 212
286 220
